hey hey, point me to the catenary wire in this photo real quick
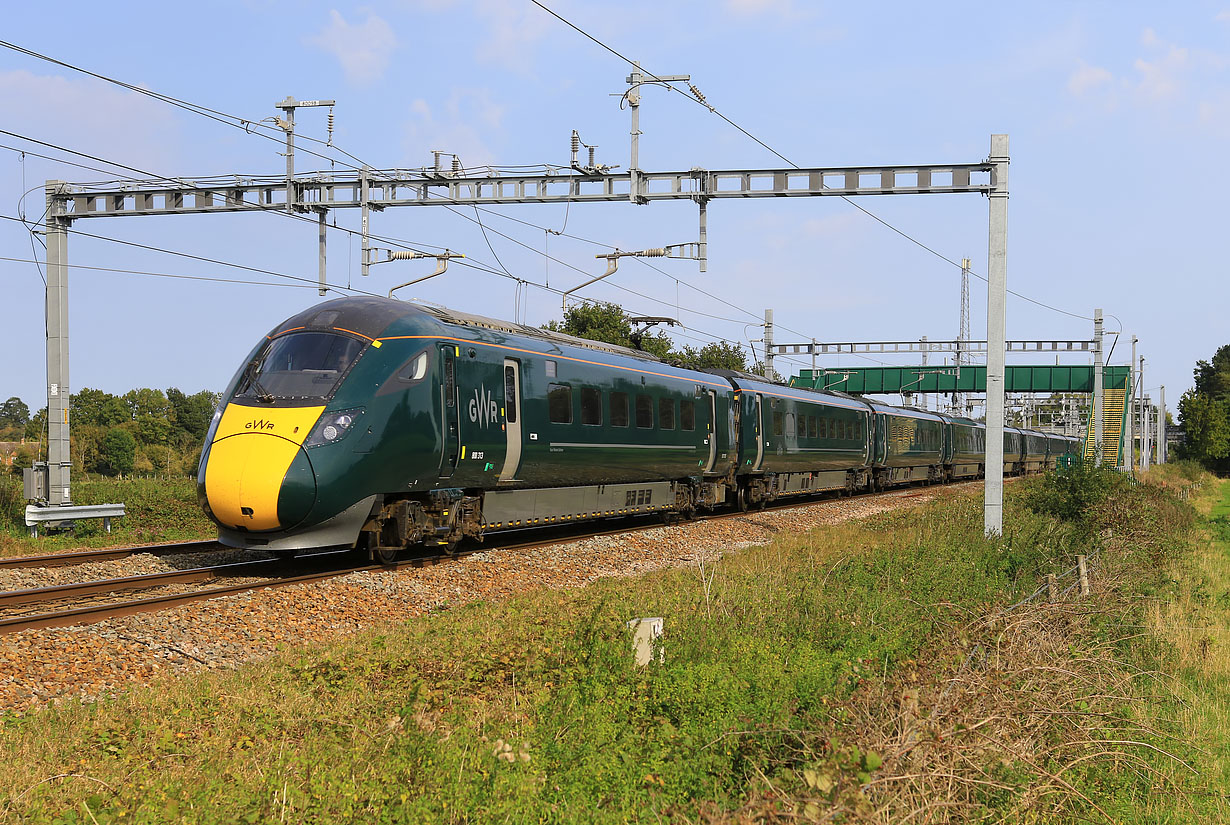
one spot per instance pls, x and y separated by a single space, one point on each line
313 285
779 155
245 123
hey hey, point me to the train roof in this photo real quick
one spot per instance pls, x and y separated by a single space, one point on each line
757 383
372 316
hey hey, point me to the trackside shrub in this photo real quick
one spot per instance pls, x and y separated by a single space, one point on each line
1071 493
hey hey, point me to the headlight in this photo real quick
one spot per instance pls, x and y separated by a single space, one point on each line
333 426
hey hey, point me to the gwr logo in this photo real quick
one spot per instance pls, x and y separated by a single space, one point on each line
483 409
259 424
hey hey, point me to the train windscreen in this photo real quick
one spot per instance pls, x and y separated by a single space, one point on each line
303 366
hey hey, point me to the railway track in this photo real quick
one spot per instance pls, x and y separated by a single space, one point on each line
109 554
61 605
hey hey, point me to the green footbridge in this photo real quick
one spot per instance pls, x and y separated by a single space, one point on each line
973 379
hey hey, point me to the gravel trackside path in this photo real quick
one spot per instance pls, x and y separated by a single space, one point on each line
38 667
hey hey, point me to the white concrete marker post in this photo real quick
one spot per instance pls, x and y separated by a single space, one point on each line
644 633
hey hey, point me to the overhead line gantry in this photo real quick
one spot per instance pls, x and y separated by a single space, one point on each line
369 189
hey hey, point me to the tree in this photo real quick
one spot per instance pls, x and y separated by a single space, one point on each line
14 413
24 458
102 409
117 452
150 412
190 414
1204 413
717 355
1213 377
610 324
36 427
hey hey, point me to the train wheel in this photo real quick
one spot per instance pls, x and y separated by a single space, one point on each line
385 555
745 499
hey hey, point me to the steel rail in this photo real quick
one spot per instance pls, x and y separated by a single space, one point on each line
110 610
139 582
82 556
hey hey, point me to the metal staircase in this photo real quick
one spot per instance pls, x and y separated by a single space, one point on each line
1114 419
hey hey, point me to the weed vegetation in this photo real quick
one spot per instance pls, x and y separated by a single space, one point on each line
158 510
867 673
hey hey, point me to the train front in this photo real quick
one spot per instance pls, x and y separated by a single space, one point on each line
274 468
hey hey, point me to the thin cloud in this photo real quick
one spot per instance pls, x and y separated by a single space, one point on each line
363 49
456 126
1088 79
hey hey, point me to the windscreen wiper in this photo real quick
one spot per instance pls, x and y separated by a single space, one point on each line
254 383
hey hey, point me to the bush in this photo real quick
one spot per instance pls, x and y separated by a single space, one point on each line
1071 493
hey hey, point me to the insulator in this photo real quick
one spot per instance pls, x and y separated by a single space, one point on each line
456 164
330 125
576 141
660 252
404 255
695 91
591 155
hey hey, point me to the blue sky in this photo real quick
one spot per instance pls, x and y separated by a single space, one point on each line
1118 115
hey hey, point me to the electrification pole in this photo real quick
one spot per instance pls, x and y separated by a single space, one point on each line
997 335
769 372
1144 424
1129 463
59 459
1161 424
1097 388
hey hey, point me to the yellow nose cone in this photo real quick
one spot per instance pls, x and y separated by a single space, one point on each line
248 460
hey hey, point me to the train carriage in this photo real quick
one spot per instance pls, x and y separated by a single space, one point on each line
908 445
794 442
965 447
1034 451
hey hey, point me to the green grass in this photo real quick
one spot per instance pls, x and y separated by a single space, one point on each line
158 510
779 665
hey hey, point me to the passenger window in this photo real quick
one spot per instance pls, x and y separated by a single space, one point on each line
559 403
790 425
813 423
510 395
687 414
644 411
550 369
666 413
777 423
414 369
619 409
591 406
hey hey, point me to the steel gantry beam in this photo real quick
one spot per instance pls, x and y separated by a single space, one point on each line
889 347
414 188
369 189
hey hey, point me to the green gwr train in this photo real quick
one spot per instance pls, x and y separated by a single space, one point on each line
374 423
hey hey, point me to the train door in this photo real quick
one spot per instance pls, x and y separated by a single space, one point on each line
758 431
712 432
512 419
451 431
